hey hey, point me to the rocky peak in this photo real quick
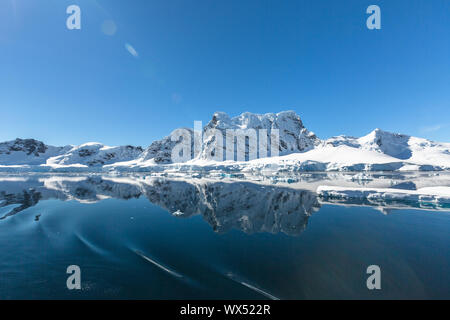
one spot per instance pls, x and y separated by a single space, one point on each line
294 137
29 146
161 150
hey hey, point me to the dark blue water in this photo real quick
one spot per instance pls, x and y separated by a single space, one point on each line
262 242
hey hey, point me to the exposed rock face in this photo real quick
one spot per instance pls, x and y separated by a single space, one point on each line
161 150
293 136
342 140
29 146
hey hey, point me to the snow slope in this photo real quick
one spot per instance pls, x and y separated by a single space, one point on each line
414 150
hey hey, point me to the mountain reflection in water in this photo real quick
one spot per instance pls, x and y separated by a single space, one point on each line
271 204
245 206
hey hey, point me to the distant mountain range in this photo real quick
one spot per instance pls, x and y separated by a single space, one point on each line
299 150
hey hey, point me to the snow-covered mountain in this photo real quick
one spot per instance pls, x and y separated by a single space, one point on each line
94 154
160 151
299 150
412 152
36 153
293 136
27 152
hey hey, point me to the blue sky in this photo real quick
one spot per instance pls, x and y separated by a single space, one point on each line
196 57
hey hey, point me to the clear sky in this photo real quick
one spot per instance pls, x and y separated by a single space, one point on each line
138 69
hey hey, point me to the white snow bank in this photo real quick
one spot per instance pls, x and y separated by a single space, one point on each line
339 155
438 194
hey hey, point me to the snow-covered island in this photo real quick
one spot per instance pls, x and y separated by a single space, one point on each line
300 150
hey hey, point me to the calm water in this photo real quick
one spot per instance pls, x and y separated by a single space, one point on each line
164 238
